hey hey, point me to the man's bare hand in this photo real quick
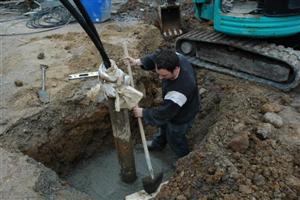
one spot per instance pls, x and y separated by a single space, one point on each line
132 61
137 111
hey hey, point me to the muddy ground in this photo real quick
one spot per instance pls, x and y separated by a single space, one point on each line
245 141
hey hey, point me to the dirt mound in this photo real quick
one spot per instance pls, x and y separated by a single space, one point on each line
234 161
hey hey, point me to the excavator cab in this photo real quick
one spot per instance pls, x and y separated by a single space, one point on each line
251 18
169 17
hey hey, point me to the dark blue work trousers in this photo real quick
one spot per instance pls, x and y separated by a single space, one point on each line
175 136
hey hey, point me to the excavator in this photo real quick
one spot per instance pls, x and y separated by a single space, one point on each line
239 42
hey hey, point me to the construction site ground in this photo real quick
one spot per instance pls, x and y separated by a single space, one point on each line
245 141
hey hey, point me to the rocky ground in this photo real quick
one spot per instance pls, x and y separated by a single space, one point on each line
245 141
251 145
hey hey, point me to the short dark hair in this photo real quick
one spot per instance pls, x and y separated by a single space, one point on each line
166 59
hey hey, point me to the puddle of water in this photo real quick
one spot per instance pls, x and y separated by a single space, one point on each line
99 176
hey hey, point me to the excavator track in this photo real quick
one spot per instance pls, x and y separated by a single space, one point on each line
250 59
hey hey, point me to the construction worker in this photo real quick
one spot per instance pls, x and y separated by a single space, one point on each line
180 104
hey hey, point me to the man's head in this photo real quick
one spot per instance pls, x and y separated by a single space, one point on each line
167 65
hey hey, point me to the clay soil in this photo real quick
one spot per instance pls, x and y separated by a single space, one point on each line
238 152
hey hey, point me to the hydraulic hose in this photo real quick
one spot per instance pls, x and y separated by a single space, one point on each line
88 27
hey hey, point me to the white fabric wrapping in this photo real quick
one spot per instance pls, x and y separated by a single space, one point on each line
114 83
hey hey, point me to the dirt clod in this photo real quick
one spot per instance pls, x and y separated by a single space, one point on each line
239 143
271 107
41 56
18 83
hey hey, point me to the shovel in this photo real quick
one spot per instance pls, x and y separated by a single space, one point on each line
43 95
152 182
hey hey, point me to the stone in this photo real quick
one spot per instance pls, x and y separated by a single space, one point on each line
216 177
187 193
271 107
297 109
18 83
274 119
211 170
294 183
239 128
245 189
202 91
68 47
3 121
239 143
297 131
236 176
296 103
259 180
41 56
266 172
286 100
264 130
181 197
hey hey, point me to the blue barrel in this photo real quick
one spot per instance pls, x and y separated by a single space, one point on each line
98 10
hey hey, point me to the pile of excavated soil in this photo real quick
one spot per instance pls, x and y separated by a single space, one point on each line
245 154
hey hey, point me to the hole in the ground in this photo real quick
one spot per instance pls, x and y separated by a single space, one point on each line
79 146
75 139
99 176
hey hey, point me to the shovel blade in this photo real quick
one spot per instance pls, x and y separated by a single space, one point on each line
43 96
150 185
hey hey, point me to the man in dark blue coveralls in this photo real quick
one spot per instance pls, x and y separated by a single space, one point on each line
180 104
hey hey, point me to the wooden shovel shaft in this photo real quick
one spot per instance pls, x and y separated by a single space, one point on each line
128 64
147 155
141 127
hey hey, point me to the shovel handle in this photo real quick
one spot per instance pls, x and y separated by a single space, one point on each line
141 127
128 64
147 155
43 68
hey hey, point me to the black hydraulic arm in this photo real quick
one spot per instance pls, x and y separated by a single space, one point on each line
86 23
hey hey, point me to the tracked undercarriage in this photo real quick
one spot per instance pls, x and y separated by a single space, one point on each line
250 59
